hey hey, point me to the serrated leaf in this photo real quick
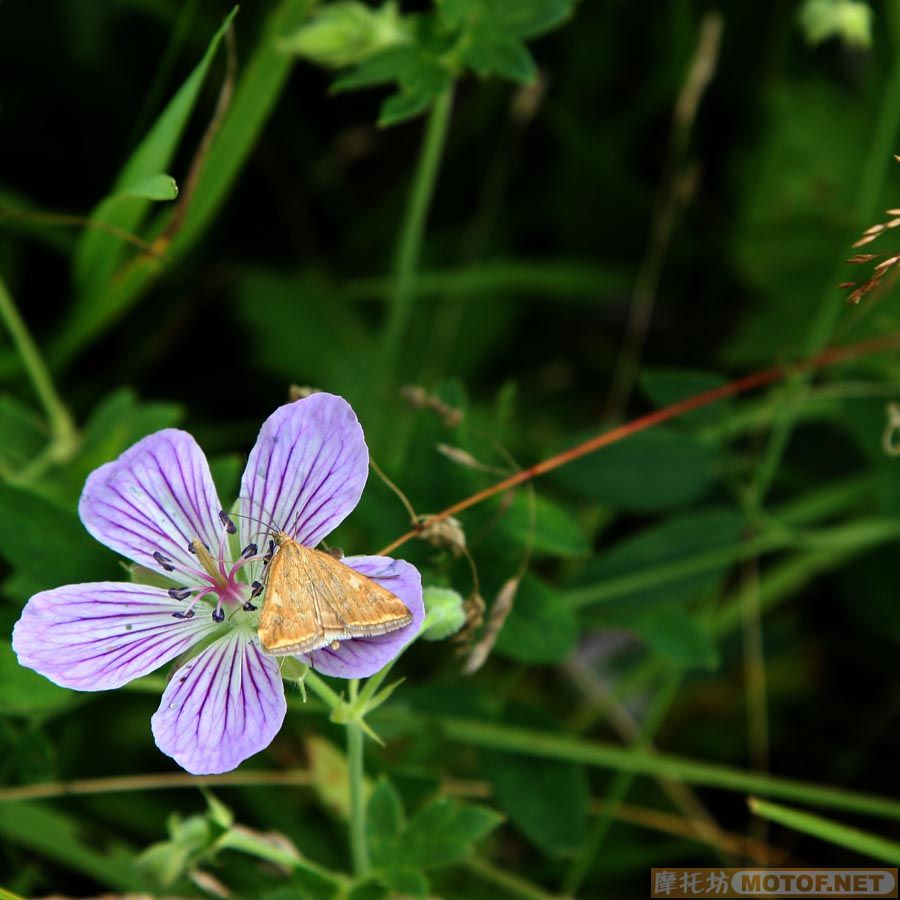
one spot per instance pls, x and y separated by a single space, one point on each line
492 51
385 822
443 832
406 881
539 629
547 801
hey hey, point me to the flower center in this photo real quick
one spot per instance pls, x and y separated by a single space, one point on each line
217 576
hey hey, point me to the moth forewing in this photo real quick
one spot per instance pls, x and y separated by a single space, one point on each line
312 599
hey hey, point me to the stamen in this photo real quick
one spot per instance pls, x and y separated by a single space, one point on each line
179 593
218 614
187 614
212 566
248 607
164 561
230 527
257 589
249 550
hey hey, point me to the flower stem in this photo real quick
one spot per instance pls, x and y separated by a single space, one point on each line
61 425
400 304
359 847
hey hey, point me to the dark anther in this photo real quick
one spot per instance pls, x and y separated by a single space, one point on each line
164 561
248 607
230 527
179 593
218 615
192 550
188 614
257 589
271 548
249 550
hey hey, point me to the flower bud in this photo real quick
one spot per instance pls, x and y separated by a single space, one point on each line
345 33
445 613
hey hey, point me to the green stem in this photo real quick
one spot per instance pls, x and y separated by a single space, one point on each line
620 786
513 885
359 847
410 246
545 745
833 832
321 690
61 425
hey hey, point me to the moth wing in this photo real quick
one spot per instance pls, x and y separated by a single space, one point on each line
313 599
287 624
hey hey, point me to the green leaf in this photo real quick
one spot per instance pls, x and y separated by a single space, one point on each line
418 74
261 80
48 543
546 801
25 693
539 629
406 881
667 386
385 822
678 636
652 470
556 532
443 833
439 834
677 561
496 52
157 187
99 253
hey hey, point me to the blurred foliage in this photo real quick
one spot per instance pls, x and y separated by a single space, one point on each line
199 209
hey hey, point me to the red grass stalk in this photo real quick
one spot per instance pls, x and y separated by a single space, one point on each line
826 358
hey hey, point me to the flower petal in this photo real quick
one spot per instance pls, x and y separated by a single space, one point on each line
99 636
221 707
306 472
157 496
361 657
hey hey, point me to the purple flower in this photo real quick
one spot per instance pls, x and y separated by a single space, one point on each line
157 505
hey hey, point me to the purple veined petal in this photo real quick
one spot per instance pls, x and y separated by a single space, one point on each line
362 657
306 472
157 496
221 707
99 636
